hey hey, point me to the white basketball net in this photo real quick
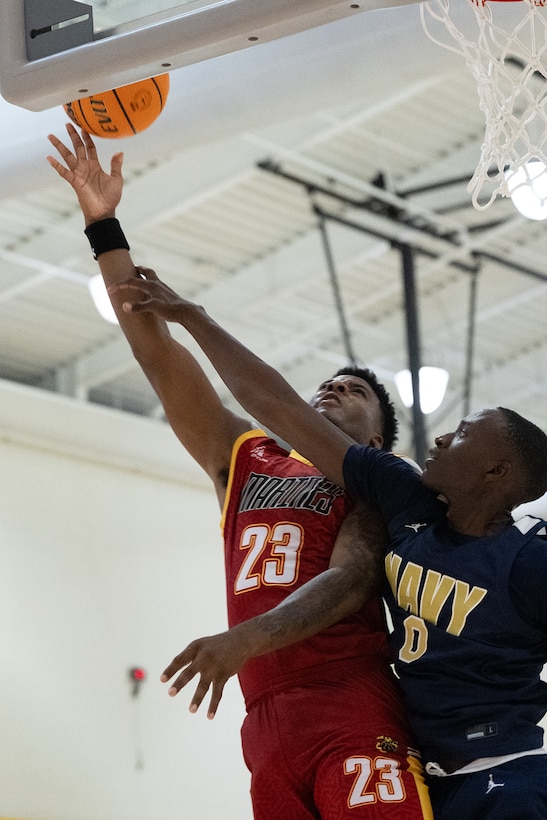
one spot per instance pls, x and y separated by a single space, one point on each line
509 64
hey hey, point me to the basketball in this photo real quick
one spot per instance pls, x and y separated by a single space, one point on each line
121 112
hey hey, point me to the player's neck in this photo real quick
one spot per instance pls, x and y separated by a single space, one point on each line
477 519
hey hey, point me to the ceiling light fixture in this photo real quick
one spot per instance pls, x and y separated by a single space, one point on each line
101 299
433 384
528 189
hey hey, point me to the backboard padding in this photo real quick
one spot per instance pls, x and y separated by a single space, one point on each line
186 35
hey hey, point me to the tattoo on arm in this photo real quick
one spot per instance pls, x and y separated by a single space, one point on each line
356 574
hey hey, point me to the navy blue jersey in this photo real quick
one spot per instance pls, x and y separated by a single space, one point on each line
469 616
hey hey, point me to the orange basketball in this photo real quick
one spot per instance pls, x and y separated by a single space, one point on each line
123 111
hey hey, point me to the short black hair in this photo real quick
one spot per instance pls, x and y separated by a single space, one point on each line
390 425
530 443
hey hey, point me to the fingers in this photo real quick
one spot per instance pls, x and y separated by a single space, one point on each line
146 282
60 146
115 164
180 682
87 142
84 148
65 153
128 284
180 660
147 273
79 146
218 689
71 159
191 661
143 276
132 285
201 690
61 170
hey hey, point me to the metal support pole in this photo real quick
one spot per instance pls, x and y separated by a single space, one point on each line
344 327
470 344
414 355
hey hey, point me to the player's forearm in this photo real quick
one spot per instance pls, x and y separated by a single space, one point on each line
322 602
111 250
267 396
146 333
241 370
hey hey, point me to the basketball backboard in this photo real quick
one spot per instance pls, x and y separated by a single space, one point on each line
54 51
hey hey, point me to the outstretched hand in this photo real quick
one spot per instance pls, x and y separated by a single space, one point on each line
98 192
157 297
215 659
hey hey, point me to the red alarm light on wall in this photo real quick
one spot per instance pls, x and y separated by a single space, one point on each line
138 675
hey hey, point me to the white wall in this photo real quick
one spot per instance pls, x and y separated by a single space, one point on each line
110 557
106 564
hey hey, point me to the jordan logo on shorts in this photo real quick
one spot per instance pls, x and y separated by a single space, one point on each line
492 785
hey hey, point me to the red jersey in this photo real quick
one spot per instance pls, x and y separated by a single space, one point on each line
280 521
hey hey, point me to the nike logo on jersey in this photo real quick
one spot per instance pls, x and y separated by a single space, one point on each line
259 452
492 784
415 527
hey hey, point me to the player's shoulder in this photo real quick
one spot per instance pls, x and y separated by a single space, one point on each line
531 524
256 447
414 464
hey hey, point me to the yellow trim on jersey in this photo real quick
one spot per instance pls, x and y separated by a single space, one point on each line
255 433
298 457
408 460
416 769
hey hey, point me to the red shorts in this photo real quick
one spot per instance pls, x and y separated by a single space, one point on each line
333 750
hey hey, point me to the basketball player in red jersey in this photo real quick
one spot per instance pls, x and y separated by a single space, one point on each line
325 736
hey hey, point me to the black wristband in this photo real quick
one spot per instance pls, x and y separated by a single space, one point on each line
105 235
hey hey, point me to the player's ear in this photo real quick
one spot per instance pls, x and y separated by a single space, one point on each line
499 470
377 441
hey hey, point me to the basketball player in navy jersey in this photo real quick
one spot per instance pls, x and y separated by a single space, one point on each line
325 736
465 583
